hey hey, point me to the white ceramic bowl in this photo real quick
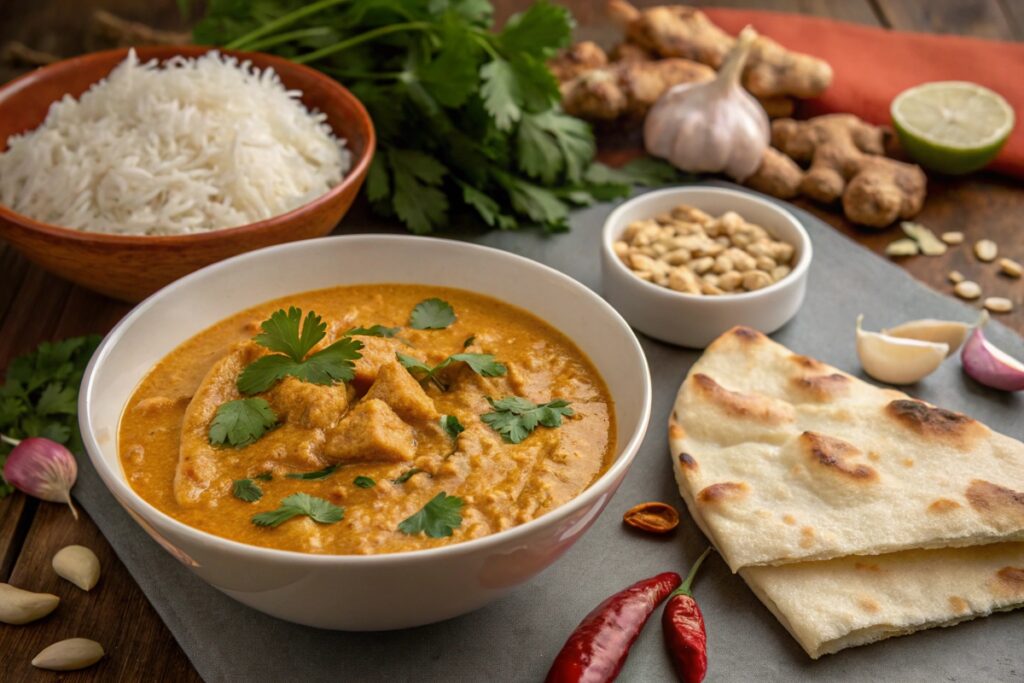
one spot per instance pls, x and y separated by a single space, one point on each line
692 320
365 592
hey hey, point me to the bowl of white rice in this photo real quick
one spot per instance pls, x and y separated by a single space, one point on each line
124 170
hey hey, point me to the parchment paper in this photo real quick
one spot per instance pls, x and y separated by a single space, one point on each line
516 638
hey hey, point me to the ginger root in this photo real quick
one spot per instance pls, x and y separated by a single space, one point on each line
686 32
845 158
576 60
619 89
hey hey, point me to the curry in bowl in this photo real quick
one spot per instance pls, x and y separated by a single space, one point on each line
368 419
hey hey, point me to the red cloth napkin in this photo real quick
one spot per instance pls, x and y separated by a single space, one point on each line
873 65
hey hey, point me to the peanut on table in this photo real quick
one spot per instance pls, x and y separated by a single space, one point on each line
692 252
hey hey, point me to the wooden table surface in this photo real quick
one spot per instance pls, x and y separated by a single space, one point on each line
35 306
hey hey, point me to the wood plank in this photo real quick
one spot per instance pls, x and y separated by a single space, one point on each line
16 513
114 613
978 18
33 313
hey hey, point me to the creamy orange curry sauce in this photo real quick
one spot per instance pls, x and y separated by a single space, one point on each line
379 426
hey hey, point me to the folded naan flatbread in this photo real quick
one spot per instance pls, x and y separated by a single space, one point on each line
835 604
785 459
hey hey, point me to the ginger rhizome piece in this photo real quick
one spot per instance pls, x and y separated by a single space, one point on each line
685 32
845 159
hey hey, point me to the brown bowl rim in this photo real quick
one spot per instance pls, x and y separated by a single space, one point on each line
280 65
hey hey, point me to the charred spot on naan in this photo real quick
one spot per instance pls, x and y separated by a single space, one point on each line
835 455
722 492
746 335
932 422
808 363
940 505
806 536
687 461
869 605
998 504
748 406
958 604
822 388
1008 581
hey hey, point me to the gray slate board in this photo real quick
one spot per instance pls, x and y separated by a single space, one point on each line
516 638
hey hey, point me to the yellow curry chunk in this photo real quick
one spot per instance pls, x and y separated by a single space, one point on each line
371 432
381 425
396 387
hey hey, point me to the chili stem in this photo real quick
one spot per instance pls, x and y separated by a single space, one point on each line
281 22
357 40
684 589
9 440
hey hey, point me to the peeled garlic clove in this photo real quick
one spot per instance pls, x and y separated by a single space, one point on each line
897 360
19 606
69 655
947 332
77 564
990 366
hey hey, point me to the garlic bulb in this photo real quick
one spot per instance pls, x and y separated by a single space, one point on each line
898 360
711 127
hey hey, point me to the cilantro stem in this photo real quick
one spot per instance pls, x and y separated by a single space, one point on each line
362 38
281 22
484 40
368 75
9 440
297 34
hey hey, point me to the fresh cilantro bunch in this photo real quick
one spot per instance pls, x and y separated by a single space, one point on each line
40 395
467 119
482 364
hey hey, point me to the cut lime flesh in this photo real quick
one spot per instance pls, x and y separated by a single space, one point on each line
952 126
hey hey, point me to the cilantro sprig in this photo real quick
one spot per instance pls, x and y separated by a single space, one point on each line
241 422
432 314
317 509
407 475
515 418
246 490
364 482
373 331
293 338
451 426
483 364
437 519
313 476
467 118
40 395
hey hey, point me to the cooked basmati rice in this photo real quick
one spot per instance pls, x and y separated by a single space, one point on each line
196 145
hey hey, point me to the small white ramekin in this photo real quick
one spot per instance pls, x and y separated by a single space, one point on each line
695 320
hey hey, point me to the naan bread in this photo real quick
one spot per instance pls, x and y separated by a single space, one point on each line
784 459
835 604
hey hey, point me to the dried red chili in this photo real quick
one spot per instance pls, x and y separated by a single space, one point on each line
683 627
653 517
598 647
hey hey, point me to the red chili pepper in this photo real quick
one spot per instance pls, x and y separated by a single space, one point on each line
683 626
597 649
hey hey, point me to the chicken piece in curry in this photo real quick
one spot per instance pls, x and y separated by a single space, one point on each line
404 417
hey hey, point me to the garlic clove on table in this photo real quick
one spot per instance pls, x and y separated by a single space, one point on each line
898 360
949 332
714 126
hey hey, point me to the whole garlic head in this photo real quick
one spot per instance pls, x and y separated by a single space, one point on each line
711 127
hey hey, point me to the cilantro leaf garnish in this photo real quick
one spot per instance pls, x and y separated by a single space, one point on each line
432 314
282 333
515 418
482 364
246 490
318 474
241 422
436 519
317 509
364 482
264 476
407 475
451 426
469 341
373 331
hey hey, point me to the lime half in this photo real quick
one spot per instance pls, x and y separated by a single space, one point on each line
952 126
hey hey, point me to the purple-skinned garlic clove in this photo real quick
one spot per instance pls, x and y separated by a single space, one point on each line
42 468
990 366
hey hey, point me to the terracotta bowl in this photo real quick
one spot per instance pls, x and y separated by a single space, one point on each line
130 267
